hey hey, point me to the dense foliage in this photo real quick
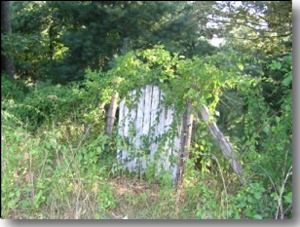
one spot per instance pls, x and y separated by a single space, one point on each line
57 161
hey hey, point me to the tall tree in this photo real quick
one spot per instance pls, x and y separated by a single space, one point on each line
7 61
264 26
89 33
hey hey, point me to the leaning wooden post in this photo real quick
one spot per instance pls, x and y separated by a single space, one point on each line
185 141
223 143
111 114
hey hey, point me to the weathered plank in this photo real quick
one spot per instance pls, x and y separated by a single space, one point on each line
185 140
223 143
145 127
111 115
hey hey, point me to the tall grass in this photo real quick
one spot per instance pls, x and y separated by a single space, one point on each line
65 167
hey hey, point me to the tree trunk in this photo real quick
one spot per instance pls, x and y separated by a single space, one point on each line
223 143
185 141
8 61
52 34
111 115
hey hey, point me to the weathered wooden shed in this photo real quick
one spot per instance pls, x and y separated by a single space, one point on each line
153 136
150 132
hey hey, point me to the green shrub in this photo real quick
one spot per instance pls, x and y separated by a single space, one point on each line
251 201
12 89
46 103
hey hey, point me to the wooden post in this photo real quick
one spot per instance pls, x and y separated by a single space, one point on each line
111 115
185 141
223 143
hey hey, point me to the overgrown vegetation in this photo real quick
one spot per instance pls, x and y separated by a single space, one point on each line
57 162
